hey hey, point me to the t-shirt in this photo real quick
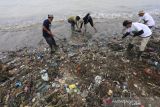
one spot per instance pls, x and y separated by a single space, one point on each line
72 18
79 23
136 27
46 24
87 19
148 18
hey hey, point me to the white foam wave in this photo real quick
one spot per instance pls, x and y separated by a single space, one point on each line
22 23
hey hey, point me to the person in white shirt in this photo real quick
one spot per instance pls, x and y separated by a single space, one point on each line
147 19
140 32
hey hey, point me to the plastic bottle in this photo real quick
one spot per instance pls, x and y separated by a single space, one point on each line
154 63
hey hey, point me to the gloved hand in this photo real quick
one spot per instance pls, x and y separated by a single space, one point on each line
134 35
125 35
138 33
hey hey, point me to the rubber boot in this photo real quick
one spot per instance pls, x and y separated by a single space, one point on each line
139 55
56 47
52 51
130 46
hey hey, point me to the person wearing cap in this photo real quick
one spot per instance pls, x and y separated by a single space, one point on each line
88 19
147 19
140 32
74 20
48 35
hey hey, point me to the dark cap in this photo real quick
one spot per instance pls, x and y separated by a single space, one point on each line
77 18
50 16
126 22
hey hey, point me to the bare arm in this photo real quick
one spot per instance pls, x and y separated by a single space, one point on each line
77 24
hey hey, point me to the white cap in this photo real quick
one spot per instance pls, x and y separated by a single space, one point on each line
140 12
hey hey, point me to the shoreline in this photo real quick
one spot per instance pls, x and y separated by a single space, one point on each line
78 62
17 38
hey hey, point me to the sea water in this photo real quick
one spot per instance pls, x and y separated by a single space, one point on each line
26 12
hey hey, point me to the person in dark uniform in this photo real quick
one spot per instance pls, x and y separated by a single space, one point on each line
48 35
88 19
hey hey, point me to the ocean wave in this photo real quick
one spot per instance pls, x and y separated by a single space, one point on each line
14 24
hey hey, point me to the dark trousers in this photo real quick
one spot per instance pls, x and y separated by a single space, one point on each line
89 21
51 42
72 25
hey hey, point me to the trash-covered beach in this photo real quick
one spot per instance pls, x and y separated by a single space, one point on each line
84 72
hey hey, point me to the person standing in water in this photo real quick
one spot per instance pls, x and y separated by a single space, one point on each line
48 35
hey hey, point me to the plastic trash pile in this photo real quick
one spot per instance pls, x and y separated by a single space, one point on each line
93 73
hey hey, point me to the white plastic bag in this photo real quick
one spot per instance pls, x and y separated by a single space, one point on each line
44 75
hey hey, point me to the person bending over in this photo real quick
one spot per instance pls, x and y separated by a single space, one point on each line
140 32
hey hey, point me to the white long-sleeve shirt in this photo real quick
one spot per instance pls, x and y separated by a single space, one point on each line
136 27
148 18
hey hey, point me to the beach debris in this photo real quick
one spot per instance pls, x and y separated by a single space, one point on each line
107 101
90 74
56 85
116 46
40 55
110 92
148 71
44 75
18 84
154 63
125 85
98 79
135 85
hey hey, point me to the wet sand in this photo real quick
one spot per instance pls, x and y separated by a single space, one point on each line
15 38
76 63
